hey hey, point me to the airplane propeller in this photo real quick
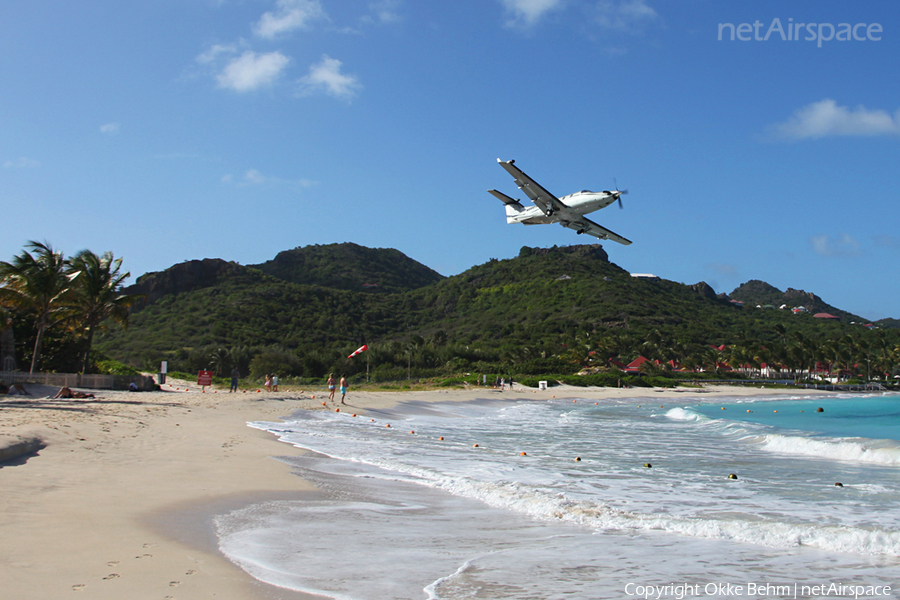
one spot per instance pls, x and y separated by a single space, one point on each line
619 194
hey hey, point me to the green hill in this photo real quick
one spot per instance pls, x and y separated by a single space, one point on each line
759 293
350 267
547 310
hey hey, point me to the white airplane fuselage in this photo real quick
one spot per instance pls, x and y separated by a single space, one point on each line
577 205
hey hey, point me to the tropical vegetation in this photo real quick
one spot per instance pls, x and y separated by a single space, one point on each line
565 314
44 293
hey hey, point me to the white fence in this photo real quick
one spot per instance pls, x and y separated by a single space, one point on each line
77 380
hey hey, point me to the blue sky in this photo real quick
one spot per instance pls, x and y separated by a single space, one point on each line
170 130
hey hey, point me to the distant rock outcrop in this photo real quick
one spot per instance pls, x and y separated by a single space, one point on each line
588 251
705 290
183 277
350 267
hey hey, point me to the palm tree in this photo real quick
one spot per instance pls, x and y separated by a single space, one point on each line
38 284
96 294
220 360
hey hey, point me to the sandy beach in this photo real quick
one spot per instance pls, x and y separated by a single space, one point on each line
118 501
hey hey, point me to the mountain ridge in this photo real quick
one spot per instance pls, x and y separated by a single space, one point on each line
521 309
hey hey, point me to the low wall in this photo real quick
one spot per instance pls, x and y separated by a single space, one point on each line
77 380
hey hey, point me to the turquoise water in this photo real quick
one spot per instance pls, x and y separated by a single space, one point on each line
873 417
486 500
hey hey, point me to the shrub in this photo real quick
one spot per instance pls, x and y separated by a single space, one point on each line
114 367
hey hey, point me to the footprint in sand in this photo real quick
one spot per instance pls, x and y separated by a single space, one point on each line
112 576
174 583
78 587
150 545
144 556
191 572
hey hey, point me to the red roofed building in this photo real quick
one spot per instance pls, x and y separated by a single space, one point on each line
635 365
826 316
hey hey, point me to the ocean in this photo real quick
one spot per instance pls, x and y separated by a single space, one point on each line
582 500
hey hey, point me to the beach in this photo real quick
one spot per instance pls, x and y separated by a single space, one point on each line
121 499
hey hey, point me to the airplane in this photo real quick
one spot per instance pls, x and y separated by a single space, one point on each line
568 211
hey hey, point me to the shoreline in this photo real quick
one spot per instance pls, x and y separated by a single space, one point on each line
120 500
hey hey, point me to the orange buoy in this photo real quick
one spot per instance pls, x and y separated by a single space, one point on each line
776 411
354 414
388 425
323 404
337 410
474 445
441 438
523 454
577 459
411 431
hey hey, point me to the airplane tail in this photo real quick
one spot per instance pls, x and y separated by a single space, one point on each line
513 207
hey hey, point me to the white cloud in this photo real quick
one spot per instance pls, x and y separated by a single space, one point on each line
326 76
844 246
255 177
384 11
886 241
825 118
109 128
723 269
289 15
21 163
250 71
624 15
528 12
214 52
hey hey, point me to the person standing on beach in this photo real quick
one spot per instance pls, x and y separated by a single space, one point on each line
331 387
274 383
268 384
343 388
235 375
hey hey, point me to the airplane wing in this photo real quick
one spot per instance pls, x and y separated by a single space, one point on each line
585 225
547 202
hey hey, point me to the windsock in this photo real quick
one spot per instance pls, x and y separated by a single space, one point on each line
359 350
